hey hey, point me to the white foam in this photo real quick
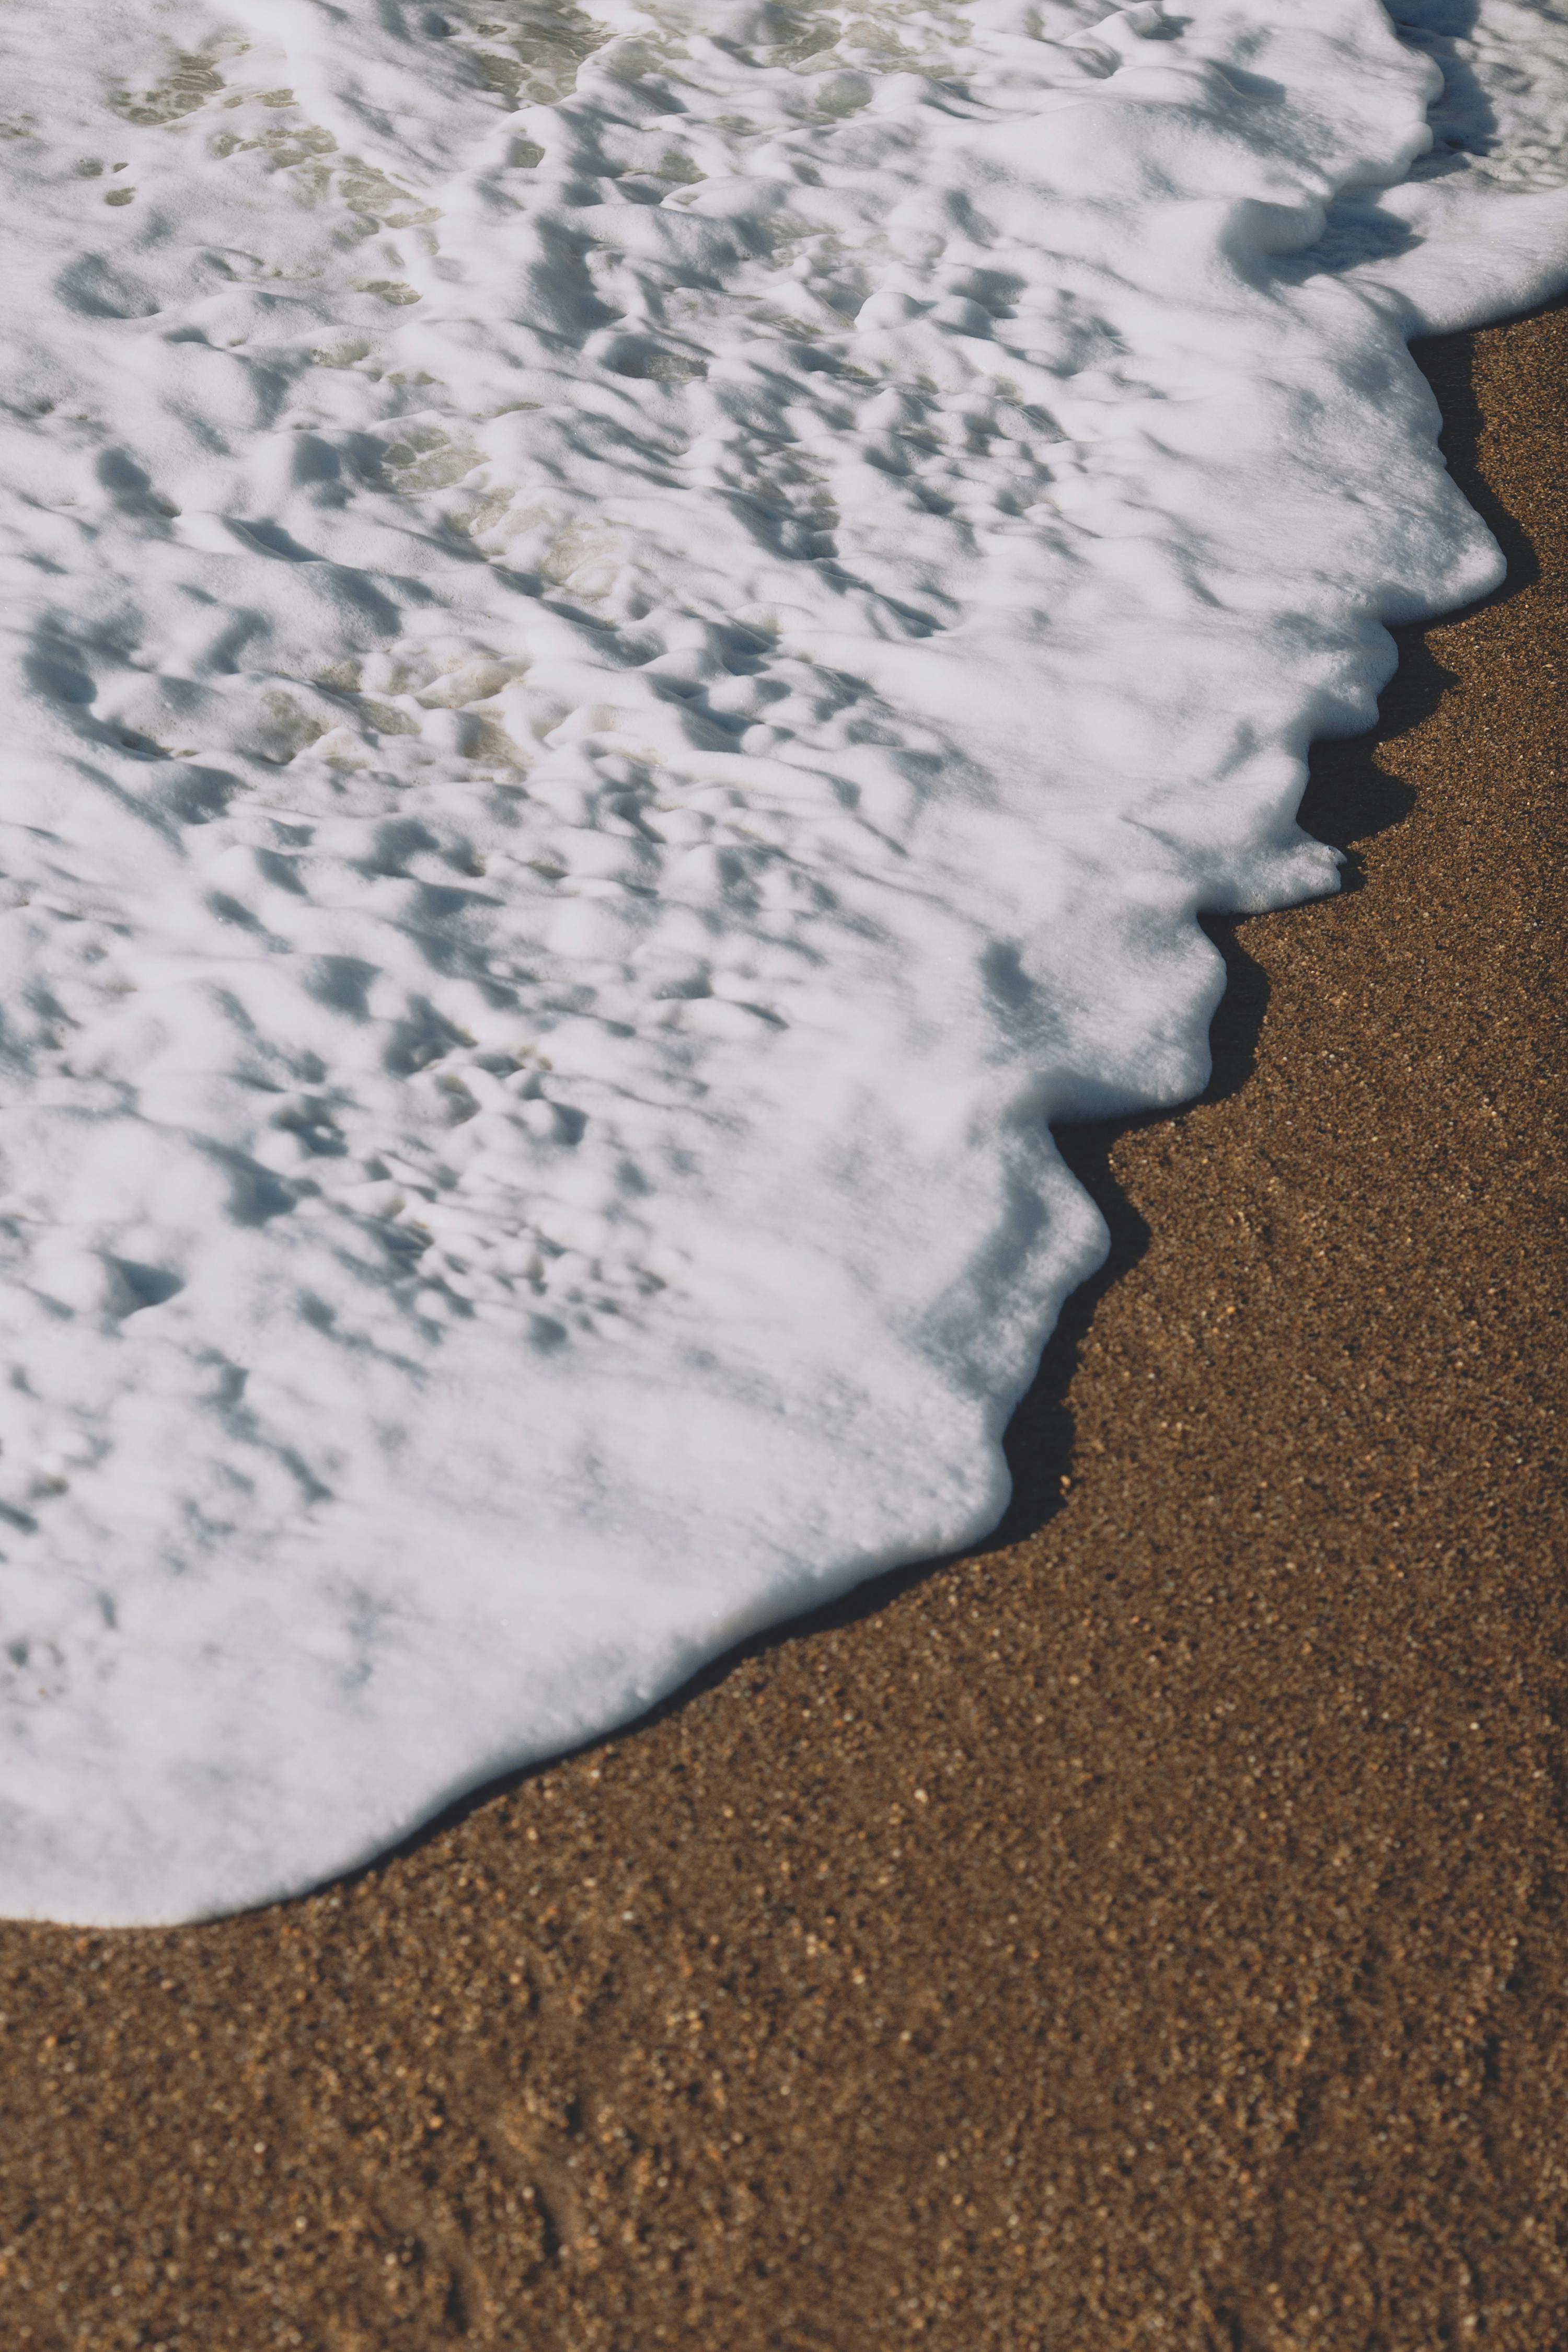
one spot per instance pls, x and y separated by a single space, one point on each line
631 642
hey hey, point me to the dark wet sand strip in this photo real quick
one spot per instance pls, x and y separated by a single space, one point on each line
1150 1933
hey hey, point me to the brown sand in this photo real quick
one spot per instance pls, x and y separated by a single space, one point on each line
1150 1934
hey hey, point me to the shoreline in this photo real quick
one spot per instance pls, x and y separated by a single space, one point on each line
1147 1928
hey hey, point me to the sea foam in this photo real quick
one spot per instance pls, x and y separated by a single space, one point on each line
633 639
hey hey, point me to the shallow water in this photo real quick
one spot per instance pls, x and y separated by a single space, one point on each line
633 641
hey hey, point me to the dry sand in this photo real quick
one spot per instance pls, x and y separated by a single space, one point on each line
1147 1933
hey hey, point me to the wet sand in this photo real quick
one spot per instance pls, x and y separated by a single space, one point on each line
1149 1932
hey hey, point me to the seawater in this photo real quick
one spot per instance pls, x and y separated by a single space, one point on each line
633 637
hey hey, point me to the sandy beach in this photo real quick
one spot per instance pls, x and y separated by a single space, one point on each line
1146 1931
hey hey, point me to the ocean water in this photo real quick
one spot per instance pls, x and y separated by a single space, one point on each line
632 639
